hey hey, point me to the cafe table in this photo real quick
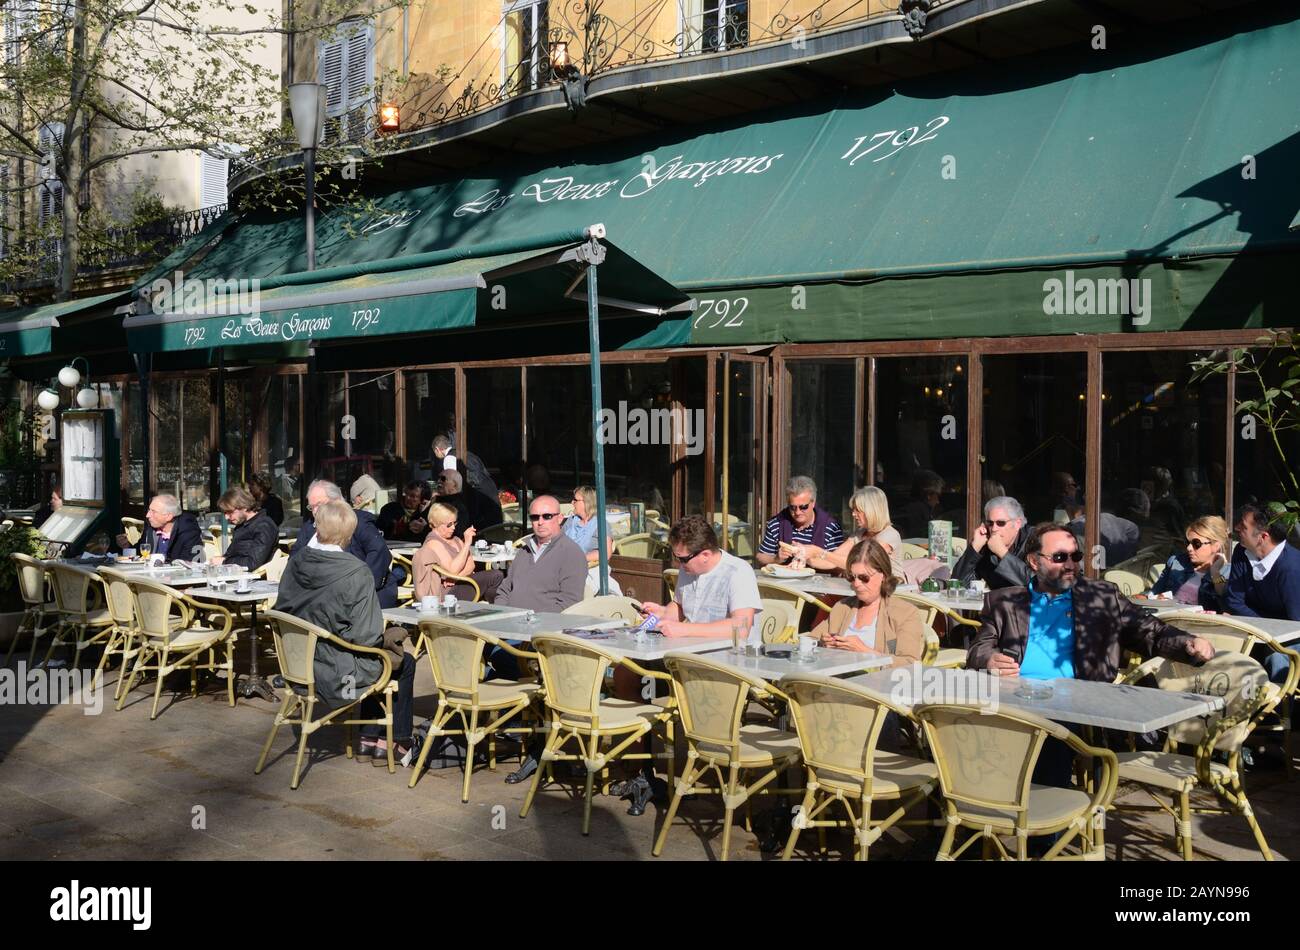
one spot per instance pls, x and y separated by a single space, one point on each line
259 592
824 662
1117 706
611 635
469 612
1283 631
496 554
403 547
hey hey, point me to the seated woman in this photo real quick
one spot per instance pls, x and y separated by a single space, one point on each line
1199 575
453 555
871 621
870 508
581 527
326 586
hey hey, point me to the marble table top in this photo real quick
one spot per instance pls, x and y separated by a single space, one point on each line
1105 705
616 639
518 627
466 611
824 662
258 591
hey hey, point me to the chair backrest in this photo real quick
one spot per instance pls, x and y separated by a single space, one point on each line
295 647
711 697
31 579
276 566
910 551
1226 634
501 533
456 654
928 610
1128 582
610 606
639 545
72 587
1240 680
133 528
670 579
118 597
573 672
984 760
792 598
837 721
778 622
958 547
153 607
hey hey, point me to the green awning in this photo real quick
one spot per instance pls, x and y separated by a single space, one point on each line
1126 159
29 331
443 290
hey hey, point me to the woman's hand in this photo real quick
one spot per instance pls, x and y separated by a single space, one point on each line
448 584
469 535
852 643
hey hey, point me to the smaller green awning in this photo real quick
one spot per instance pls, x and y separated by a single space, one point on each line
438 291
28 331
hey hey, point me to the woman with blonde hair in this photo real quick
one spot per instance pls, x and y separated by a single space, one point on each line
1199 575
870 508
454 555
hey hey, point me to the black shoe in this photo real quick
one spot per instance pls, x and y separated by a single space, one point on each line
639 791
524 772
277 681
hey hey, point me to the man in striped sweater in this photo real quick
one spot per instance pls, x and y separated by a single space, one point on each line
802 521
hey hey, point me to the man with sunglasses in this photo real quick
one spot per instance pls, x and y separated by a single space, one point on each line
1063 625
714 588
995 554
550 571
800 522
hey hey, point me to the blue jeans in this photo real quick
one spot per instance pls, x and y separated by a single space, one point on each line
403 705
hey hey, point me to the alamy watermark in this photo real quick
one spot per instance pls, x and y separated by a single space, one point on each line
42 687
1089 297
637 426
85 903
916 684
193 297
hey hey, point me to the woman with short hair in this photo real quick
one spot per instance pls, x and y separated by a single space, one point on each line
870 508
455 556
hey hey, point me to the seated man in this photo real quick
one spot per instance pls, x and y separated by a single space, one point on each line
715 589
1264 579
255 536
408 519
801 521
1118 536
549 573
173 533
326 586
1067 626
366 545
995 554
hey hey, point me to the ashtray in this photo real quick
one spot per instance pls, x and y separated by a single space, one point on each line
778 653
1033 691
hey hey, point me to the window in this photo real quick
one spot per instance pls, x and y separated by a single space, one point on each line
4 209
820 427
711 26
346 68
51 189
213 174
525 54
183 424
430 411
495 425
20 18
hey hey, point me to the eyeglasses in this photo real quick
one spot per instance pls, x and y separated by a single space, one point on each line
688 558
1196 543
865 578
544 516
996 524
1060 557
801 507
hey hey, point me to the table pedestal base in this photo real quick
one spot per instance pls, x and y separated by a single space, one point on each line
250 685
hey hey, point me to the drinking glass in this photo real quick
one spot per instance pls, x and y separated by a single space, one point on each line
739 634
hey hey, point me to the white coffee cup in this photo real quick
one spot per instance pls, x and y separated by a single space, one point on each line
429 604
807 645
978 585
243 586
449 603
480 544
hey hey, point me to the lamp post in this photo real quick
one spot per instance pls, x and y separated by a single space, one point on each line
307 107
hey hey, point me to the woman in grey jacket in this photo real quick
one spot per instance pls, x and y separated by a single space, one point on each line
326 586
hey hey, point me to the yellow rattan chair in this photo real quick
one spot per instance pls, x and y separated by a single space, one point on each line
796 601
121 607
507 533
460 579
1129 583
778 623
1215 762
670 579
935 653
838 724
133 528
610 606
406 591
456 653
573 674
1226 634
79 599
40 615
910 551
295 649
641 545
986 763
165 645
274 569
711 701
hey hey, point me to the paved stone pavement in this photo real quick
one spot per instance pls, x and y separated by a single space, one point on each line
118 786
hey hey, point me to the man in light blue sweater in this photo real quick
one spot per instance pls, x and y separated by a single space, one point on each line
1265 576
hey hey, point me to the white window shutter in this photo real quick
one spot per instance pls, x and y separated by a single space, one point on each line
214 173
360 67
329 73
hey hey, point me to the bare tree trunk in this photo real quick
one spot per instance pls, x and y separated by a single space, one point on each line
75 127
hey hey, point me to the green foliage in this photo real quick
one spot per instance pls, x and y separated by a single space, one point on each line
18 539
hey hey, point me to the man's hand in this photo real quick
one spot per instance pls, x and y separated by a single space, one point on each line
418 525
1002 665
216 559
1200 649
123 541
672 628
981 538
997 545
656 610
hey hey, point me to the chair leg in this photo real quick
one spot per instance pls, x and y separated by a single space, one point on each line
388 715
1249 814
130 681
157 688
683 785
302 750
469 754
949 835
729 810
1185 825
54 641
230 673
18 633
805 809
275 727
552 742
586 797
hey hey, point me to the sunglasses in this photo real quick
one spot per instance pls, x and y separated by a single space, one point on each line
688 558
1060 557
544 516
865 578
996 524
801 507
1196 543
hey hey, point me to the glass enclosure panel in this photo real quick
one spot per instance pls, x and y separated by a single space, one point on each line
1162 462
1263 472
743 410
334 455
138 441
279 402
492 416
920 432
693 379
183 421
820 431
372 403
1035 414
430 411
559 429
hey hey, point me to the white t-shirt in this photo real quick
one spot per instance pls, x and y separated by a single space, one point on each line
730 586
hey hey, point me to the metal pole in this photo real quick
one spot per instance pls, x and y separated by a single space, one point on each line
309 161
594 254
726 444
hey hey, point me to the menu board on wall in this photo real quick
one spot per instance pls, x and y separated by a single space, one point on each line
84 463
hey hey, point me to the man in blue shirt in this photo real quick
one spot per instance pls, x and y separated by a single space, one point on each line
1264 580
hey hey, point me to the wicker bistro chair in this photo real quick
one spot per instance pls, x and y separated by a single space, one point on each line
986 762
460 579
133 528
839 724
506 533
670 581
406 591
124 641
1215 762
573 674
456 653
79 599
778 623
38 613
910 551
1128 582
711 702
295 649
641 545
935 653
170 638
610 606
